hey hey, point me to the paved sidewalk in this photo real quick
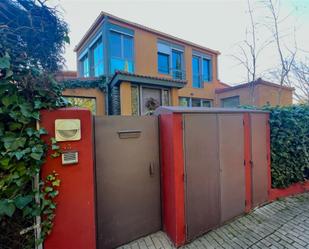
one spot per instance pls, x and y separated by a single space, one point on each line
281 224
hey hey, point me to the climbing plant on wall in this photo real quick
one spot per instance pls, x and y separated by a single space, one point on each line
32 41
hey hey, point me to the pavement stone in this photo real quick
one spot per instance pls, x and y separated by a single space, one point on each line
277 225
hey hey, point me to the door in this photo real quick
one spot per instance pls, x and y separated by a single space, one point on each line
202 173
232 174
151 99
259 159
128 179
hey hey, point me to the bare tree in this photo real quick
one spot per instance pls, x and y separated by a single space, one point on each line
300 74
286 54
250 49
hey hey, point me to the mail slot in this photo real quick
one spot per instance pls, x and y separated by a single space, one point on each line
129 134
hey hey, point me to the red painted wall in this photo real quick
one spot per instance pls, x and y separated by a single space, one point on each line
74 224
247 154
172 170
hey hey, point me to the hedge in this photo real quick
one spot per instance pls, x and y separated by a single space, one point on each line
289 128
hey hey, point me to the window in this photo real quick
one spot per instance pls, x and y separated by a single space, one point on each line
89 103
122 52
165 97
135 100
206 70
177 64
145 100
201 69
230 102
194 102
183 101
98 61
163 63
196 72
170 59
85 66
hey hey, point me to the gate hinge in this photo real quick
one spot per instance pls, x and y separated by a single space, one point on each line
244 162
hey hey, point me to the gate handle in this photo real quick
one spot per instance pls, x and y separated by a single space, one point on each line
151 169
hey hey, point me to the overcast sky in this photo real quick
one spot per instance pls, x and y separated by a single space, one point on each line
217 24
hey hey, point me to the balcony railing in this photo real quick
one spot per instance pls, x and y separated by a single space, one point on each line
178 74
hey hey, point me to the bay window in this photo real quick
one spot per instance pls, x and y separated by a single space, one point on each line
98 61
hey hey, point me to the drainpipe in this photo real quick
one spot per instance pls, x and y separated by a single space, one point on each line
106 96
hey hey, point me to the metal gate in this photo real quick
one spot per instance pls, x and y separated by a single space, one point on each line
232 174
127 179
214 169
259 159
202 173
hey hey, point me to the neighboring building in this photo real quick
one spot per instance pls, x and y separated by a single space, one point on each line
143 68
257 93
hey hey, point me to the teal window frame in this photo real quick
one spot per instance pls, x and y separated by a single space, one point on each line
85 66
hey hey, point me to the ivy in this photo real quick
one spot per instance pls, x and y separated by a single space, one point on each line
99 83
289 144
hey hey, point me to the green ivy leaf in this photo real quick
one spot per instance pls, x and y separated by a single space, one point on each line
56 183
36 155
7 208
22 201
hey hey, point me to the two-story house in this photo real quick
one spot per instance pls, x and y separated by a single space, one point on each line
144 68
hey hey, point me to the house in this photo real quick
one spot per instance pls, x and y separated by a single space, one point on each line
143 68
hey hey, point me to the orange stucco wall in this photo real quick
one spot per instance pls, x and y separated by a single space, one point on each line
262 95
91 93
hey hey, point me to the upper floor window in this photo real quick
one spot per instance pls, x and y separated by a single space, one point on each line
201 70
163 63
85 66
170 59
206 70
196 72
98 61
122 52
177 68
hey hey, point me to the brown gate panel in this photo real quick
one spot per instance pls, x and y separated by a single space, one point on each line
202 173
259 159
232 178
128 179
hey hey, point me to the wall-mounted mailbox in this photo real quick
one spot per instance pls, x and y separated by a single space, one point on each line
129 134
69 157
67 130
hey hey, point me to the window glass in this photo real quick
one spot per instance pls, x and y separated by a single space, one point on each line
230 102
196 71
122 52
165 97
184 101
163 63
206 70
85 66
115 42
206 103
120 64
196 102
98 62
89 103
128 47
135 100
177 64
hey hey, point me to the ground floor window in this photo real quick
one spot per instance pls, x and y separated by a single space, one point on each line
230 102
84 102
144 100
195 102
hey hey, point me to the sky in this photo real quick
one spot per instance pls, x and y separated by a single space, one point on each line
217 24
